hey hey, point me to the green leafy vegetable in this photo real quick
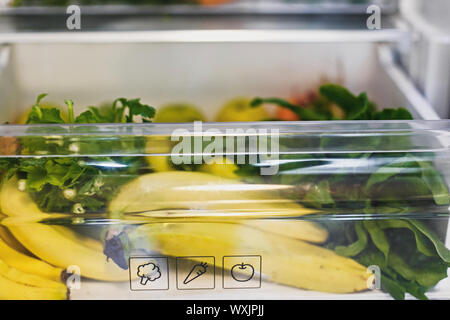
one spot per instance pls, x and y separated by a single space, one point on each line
355 107
356 247
441 249
378 237
435 183
396 167
422 242
78 184
43 115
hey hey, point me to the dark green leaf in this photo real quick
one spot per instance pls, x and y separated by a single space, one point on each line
422 243
392 114
441 249
356 247
378 237
354 107
398 166
433 179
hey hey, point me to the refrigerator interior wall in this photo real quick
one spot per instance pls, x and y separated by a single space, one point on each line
8 88
200 73
428 59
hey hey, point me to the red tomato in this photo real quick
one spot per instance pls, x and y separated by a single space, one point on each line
286 114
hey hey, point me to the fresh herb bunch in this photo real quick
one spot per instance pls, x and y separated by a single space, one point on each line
77 184
411 257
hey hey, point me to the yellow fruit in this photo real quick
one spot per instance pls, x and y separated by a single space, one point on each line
179 112
296 229
159 145
223 169
179 194
11 290
12 242
79 238
240 110
284 260
49 243
28 278
159 163
28 264
168 195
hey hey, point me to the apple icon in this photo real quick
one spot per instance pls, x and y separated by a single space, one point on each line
242 272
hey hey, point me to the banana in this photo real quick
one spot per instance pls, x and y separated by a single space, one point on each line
170 195
11 290
77 237
161 194
28 264
9 239
285 260
28 279
50 243
296 229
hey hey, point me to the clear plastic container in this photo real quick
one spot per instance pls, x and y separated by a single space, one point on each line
176 7
329 210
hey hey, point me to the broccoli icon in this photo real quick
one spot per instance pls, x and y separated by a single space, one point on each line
148 272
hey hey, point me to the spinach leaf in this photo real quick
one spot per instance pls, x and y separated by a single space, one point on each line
435 183
378 237
393 288
426 275
399 166
392 114
354 107
422 243
441 249
356 247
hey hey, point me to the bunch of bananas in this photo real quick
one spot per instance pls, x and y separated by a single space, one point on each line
25 277
35 272
200 214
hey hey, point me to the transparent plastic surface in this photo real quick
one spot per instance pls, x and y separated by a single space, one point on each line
204 6
341 209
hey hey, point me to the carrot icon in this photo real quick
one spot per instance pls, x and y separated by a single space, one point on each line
196 271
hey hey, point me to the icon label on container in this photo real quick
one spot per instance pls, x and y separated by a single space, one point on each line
149 273
195 273
242 272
